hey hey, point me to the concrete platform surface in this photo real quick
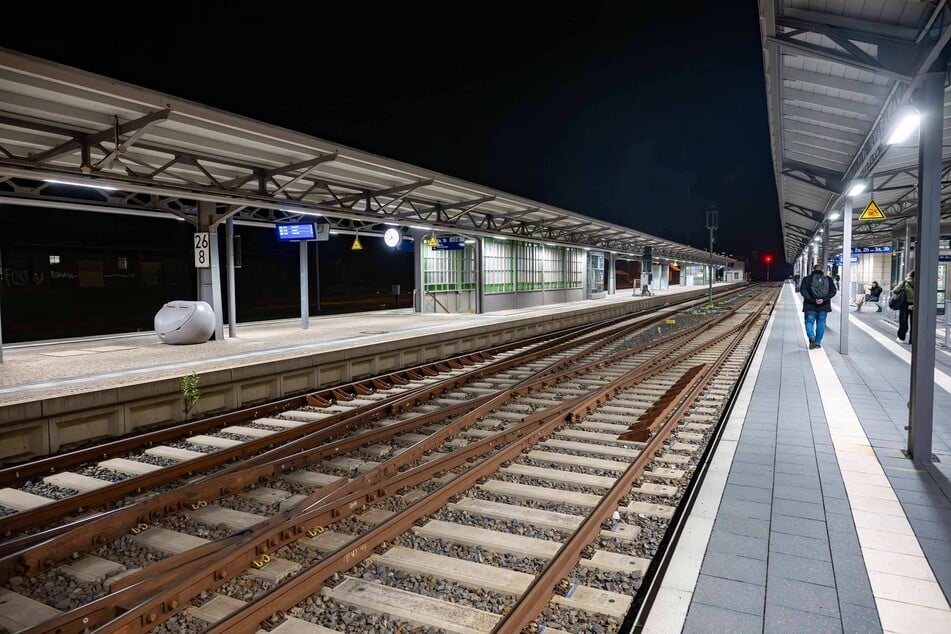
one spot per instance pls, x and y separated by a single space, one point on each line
45 369
810 518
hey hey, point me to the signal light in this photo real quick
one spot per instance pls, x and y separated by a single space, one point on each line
767 259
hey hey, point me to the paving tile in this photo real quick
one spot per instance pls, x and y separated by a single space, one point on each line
763 471
749 480
800 569
753 458
798 526
730 595
797 480
840 522
854 588
929 513
745 508
799 494
800 595
742 526
751 494
731 544
734 567
935 549
799 509
703 619
845 543
785 620
800 546
796 468
931 530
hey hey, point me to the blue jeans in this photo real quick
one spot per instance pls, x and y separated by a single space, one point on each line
816 324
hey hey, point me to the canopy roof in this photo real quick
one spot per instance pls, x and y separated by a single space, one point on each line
160 155
837 73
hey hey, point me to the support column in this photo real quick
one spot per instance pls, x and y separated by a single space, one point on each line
480 274
418 255
317 272
906 253
824 241
921 413
209 279
304 291
229 257
844 272
612 279
646 258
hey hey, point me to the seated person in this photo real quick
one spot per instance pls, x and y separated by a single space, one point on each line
874 292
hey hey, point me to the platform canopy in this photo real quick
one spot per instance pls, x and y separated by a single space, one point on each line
838 75
152 154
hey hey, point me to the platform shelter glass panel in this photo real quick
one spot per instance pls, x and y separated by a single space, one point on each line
499 266
576 262
449 270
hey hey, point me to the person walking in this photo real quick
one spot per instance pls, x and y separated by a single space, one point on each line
874 291
817 291
906 286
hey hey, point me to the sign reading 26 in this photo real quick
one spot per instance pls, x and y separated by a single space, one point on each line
202 250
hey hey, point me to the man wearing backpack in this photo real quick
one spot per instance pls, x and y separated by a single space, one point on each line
907 286
817 291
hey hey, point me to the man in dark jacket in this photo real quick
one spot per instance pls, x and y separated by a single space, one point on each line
817 290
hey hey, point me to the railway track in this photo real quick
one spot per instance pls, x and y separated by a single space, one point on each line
488 478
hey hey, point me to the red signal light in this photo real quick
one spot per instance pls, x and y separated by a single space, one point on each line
768 259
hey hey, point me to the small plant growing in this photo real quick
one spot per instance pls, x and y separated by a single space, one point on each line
190 394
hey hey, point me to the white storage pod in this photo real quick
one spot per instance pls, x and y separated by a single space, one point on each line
183 322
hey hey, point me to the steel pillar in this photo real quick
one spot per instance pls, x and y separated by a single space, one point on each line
229 257
418 255
317 272
612 280
304 290
844 272
480 274
906 254
921 394
209 279
1 307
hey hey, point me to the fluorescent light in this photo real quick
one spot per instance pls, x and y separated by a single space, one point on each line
58 182
419 227
833 216
907 120
857 188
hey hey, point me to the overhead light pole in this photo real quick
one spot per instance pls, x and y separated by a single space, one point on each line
713 220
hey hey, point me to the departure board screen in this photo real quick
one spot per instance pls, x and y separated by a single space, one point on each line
296 231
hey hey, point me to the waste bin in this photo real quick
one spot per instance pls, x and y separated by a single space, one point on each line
185 322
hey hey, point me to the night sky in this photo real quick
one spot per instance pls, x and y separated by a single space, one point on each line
637 116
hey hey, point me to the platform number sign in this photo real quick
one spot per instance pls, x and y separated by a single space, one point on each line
202 250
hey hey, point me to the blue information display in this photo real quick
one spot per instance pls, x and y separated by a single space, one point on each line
296 231
885 249
450 243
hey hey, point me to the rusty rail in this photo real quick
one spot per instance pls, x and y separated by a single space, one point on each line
539 593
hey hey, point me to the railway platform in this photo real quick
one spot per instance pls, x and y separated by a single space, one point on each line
53 394
810 518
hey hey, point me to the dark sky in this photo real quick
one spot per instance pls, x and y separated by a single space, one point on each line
606 109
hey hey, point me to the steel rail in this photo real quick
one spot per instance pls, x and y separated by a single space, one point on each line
180 587
34 560
653 578
534 600
247 619
325 432
34 554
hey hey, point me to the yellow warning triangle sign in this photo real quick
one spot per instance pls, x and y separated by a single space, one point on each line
872 212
